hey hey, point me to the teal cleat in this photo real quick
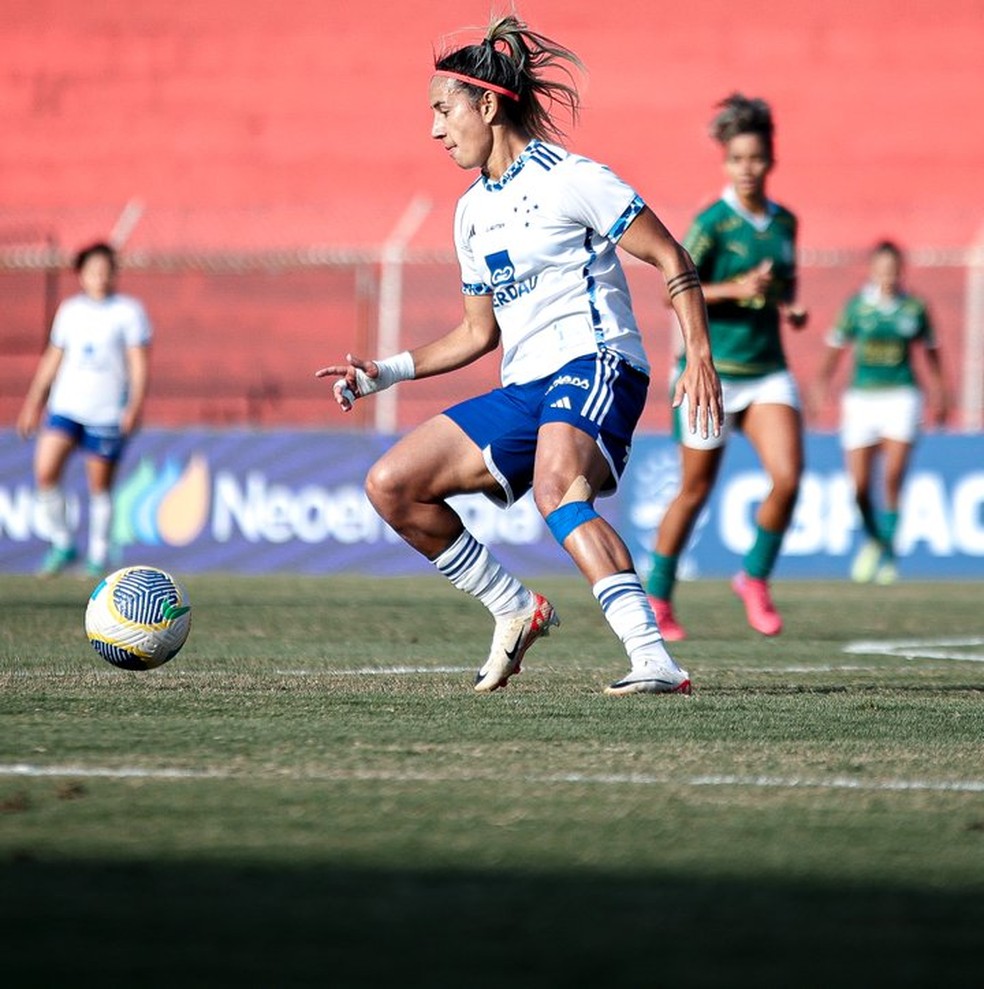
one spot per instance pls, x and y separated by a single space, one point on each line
56 560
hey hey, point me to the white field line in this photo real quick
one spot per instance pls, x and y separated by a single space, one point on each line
377 671
955 648
113 773
28 770
818 668
950 648
225 674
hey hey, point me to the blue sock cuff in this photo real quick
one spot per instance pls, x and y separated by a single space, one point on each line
564 520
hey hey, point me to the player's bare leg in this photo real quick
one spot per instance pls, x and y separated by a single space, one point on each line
100 474
50 456
570 469
860 466
775 432
698 472
895 459
409 486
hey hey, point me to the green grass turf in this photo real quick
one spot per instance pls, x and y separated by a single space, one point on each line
810 817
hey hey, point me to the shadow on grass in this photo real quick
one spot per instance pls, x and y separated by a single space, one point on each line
213 925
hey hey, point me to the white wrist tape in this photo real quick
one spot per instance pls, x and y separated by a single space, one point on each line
391 370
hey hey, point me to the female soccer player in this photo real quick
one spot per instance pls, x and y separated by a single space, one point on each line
535 236
881 410
93 376
744 247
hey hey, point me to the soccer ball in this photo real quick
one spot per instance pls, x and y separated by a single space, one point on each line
138 618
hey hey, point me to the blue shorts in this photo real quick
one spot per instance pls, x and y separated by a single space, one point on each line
600 394
106 442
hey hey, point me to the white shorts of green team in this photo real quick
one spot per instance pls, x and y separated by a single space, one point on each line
870 415
778 388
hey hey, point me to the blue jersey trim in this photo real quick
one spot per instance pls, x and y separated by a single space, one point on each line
589 283
475 288
545 157
536 151
630 212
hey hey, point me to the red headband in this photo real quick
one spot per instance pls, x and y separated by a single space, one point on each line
481 83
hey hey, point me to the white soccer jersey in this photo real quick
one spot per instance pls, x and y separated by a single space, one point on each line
541 241
91 384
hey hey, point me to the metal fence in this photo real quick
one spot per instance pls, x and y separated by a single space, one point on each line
239 334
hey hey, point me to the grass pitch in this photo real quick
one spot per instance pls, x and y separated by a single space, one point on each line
311 794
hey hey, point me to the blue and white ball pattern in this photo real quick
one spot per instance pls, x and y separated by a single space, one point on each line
138 618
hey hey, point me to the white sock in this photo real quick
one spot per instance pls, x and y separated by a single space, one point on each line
51 502
628 611
473 569
100 520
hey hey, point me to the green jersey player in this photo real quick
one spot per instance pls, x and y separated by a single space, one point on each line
744 248
725 245
882 407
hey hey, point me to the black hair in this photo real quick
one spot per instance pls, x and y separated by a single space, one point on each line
100 247
739 114
513 57
888 247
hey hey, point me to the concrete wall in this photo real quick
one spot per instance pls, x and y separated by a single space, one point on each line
316 112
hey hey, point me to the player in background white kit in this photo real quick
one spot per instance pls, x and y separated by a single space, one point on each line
93 378
535 237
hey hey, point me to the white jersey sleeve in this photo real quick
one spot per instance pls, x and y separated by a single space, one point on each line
474 278
598 198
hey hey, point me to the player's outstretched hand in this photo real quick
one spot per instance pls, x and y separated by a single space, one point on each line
354 380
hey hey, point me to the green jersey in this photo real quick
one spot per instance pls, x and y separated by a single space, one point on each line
725 243
882 332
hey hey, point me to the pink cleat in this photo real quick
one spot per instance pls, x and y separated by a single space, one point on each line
761 612
669 627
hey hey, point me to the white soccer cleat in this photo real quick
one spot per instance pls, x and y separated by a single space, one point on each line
652 678
513 635
864 569
888 573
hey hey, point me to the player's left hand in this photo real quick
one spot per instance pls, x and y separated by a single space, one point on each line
130 421
29 420
356 379
702 388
